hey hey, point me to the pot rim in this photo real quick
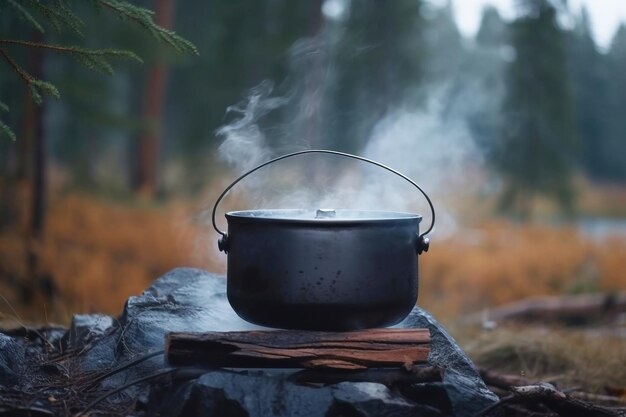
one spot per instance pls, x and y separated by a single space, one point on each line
308 216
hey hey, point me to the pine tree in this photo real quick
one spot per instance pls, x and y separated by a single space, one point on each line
537 148
59 16
446 55
380 64
615 144
492 28
589 86
486 67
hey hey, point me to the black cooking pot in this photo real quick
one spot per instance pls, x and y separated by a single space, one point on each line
322 269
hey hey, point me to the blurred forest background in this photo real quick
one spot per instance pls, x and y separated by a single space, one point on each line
107 188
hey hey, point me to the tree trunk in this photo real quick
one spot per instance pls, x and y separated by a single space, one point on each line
32 184
154 97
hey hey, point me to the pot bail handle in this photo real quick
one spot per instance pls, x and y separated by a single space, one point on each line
423 242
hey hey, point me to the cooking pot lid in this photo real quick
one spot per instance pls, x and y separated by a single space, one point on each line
322 215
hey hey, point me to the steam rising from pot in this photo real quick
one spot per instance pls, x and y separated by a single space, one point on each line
427 140
244 143
435 150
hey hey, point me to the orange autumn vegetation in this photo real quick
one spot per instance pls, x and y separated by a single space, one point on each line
100 252
499 262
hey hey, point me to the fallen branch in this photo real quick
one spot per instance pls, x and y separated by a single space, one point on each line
606 400
508 382
555 400
574 309
503 381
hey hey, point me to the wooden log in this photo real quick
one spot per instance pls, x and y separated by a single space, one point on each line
573 309
503 381
374 348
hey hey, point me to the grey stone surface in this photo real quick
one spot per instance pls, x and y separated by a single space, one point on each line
193 300
12 357
185 299
261 395
467 392
86 328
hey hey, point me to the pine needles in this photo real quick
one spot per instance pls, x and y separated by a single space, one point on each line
25 15
59 15
144 18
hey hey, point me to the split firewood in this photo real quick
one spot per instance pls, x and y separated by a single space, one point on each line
374 348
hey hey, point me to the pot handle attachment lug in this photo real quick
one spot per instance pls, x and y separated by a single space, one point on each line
422 243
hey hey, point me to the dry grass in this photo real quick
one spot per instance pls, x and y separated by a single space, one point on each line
571 359
608 200
499 262
100 252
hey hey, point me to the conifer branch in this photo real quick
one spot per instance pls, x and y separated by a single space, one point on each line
6 130
58 48
94 59
26 15
18 70
35 85
38 86
60 16
144 18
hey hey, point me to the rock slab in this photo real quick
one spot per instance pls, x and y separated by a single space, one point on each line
193 300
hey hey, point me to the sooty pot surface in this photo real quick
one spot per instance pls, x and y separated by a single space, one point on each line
352 270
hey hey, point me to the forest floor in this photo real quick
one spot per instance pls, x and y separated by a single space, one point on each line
98 253
586 360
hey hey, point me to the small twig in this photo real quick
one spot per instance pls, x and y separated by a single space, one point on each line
123 387
122 339
33 83
28 410
554 399
505 381
598 398
17 317
22 74
30 44
528 391
123 367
